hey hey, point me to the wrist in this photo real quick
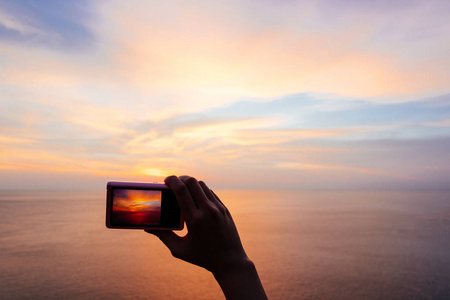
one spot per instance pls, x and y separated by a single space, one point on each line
240 281
241 266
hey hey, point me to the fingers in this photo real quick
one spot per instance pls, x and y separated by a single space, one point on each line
197 193
217 197
192 196
183 195
210 194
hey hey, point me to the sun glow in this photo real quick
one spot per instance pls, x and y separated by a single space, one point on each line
155 172
136 200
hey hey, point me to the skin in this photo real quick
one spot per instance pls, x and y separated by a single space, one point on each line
212 241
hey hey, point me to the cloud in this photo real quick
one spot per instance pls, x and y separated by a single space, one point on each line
267 50
322 167
169 59
47 23
444 123
229 90
11 23
265 144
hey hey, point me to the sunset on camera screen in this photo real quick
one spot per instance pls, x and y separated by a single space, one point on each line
136 207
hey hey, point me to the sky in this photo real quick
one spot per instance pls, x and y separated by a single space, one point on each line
326 94
136 200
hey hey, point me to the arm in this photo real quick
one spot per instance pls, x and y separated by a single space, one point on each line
212 241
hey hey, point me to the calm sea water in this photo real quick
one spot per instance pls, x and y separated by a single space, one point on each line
306 245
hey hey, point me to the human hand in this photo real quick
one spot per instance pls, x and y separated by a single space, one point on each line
212 241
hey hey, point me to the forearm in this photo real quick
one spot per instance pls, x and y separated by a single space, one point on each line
241 282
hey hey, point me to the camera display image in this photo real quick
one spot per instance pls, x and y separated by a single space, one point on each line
136 207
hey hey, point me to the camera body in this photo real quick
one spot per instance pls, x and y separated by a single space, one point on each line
135 205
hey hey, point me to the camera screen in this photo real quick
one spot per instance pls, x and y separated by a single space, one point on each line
136 207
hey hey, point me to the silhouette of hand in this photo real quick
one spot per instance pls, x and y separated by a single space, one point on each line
212 241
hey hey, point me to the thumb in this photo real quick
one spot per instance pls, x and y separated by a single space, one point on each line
168 237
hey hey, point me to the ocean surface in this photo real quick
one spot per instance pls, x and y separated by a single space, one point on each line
306 245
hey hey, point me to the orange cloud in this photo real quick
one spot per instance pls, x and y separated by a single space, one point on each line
337 168
226 59
136 200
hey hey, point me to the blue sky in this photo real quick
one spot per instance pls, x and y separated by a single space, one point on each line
48 23
243 94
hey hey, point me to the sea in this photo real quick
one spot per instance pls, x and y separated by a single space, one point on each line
305 245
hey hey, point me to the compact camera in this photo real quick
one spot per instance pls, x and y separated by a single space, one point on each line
133 205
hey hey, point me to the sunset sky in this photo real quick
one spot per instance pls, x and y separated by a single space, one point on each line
136 200
256 94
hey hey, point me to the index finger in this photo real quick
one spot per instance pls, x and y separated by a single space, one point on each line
183 196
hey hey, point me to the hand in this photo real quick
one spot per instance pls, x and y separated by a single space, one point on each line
212 241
